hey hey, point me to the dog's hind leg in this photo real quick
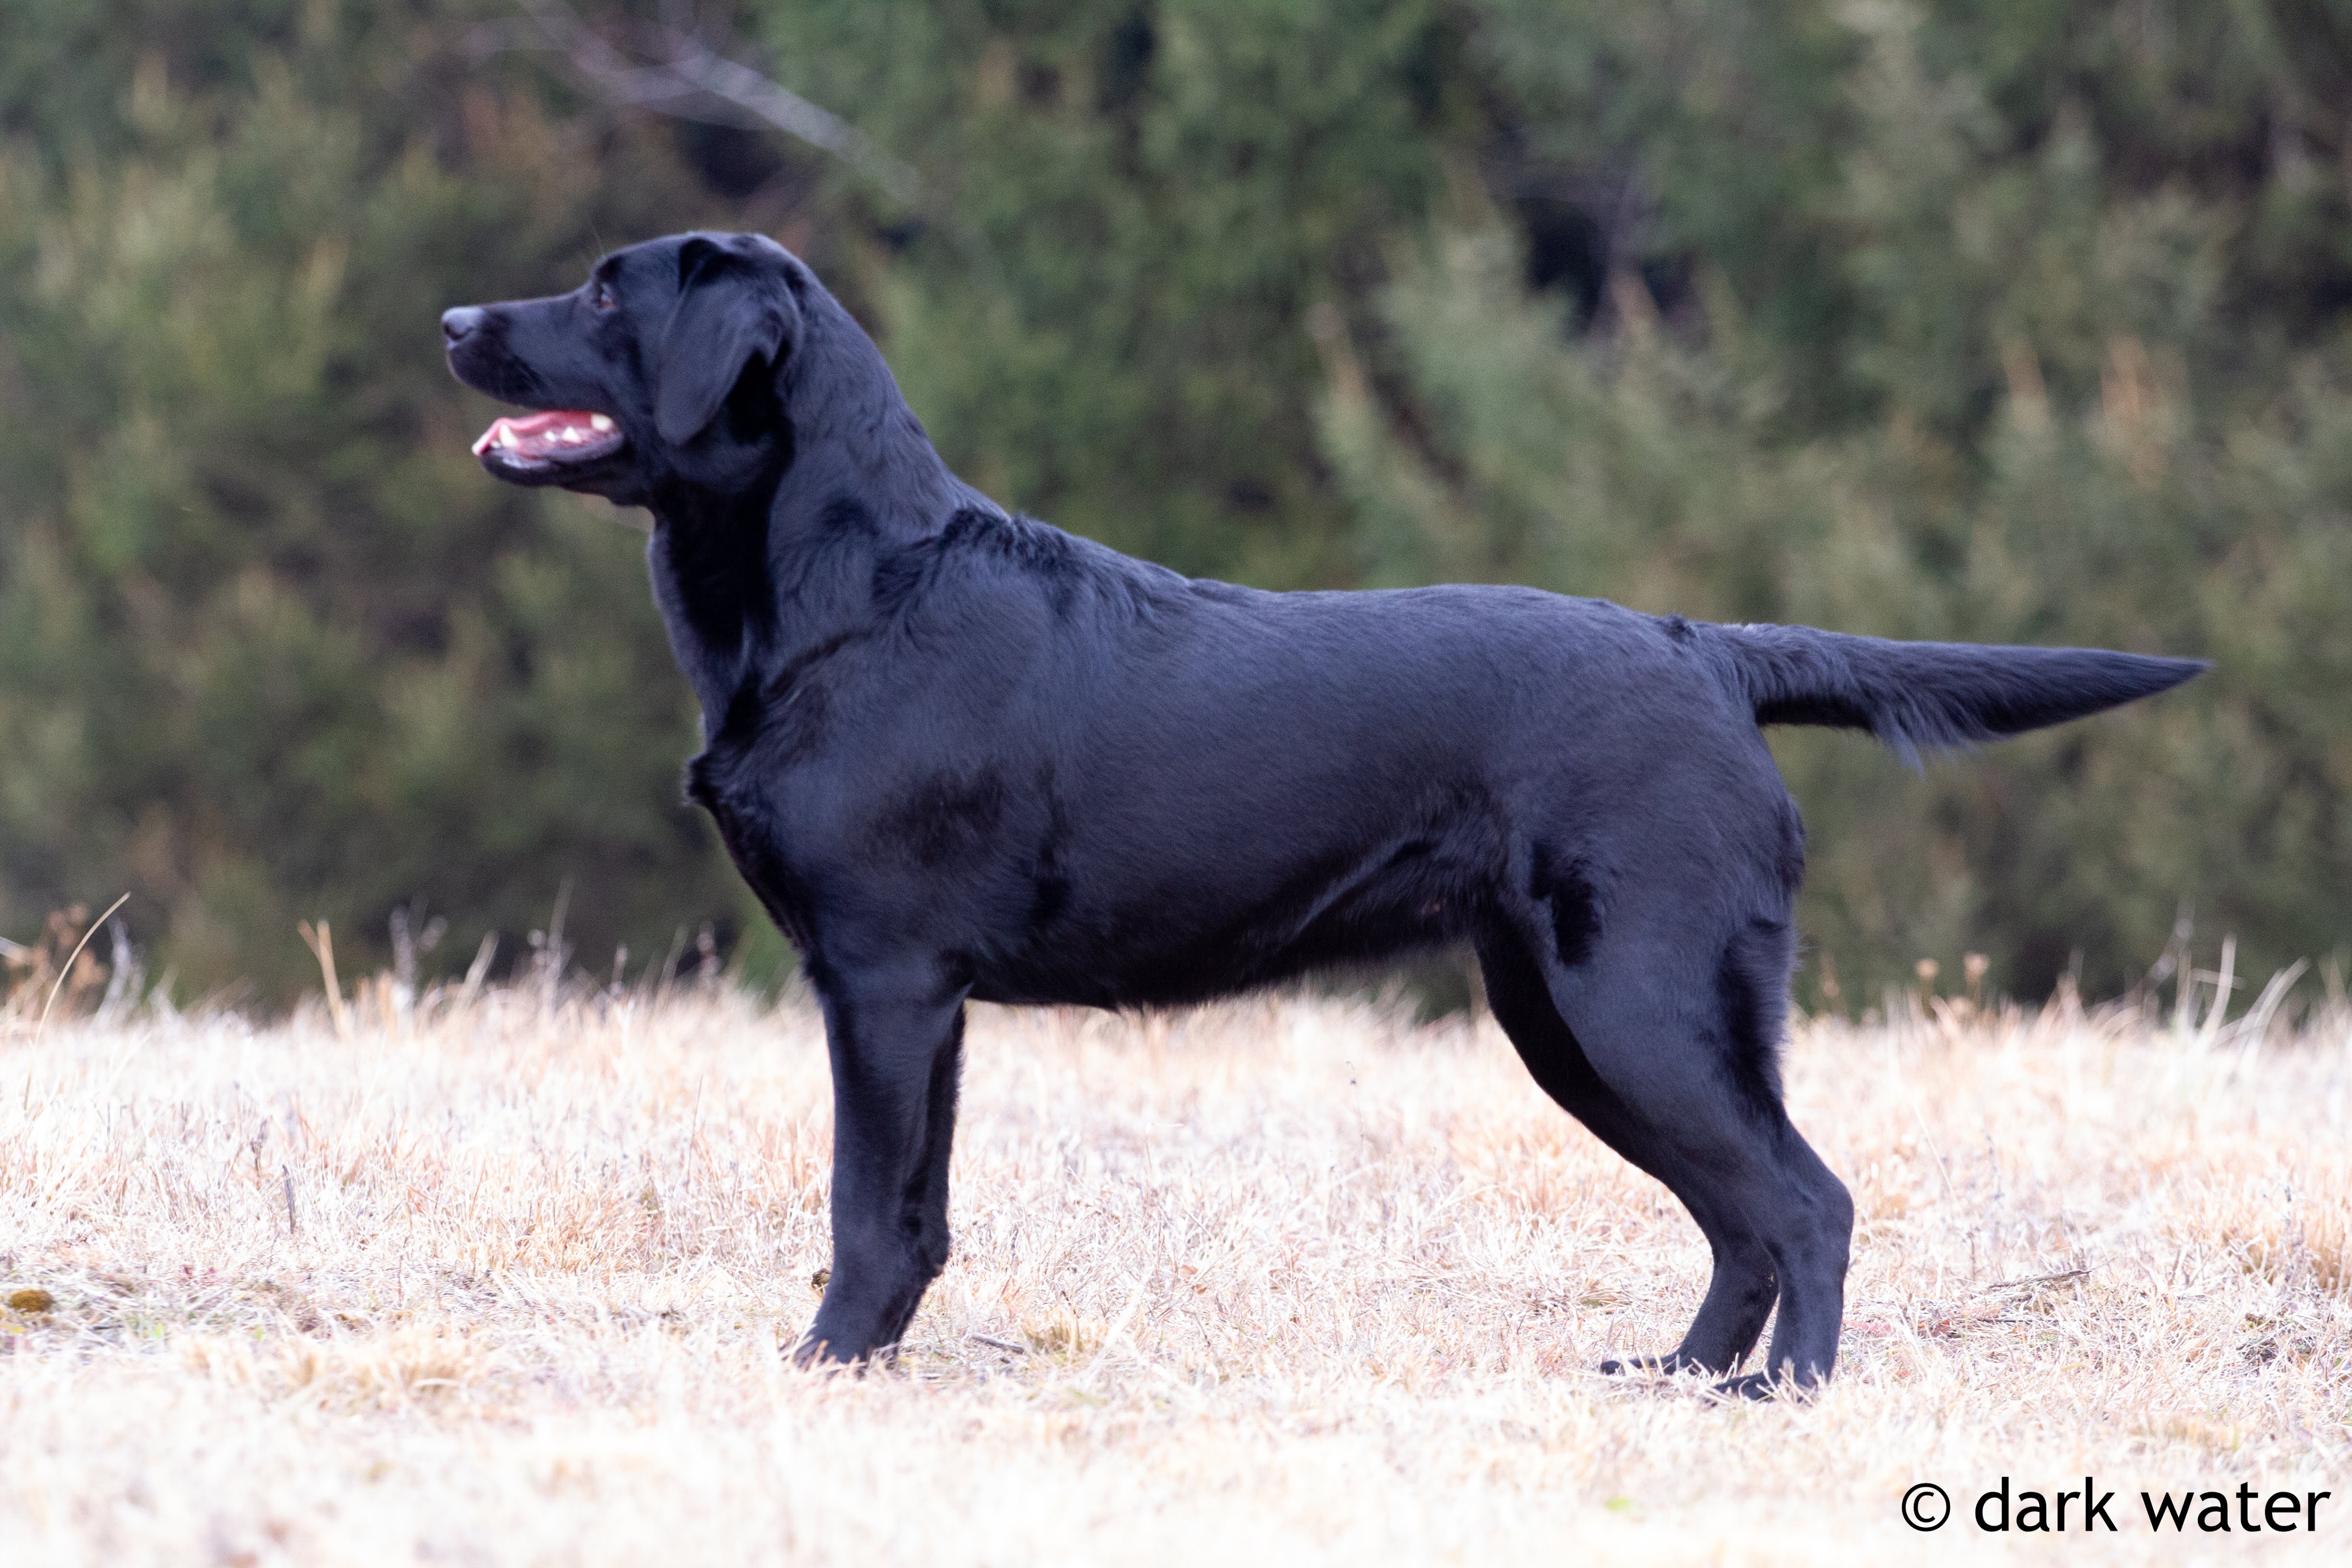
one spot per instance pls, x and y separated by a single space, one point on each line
1740 1294
1696 1064
896 1062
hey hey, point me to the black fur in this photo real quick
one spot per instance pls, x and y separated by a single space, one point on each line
958 753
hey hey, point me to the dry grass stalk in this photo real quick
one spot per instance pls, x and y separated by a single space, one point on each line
58 966
320 940
74 958
1284 1278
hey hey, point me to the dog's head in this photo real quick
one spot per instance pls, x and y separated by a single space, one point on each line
665 365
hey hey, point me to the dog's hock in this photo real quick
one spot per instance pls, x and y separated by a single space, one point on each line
733 305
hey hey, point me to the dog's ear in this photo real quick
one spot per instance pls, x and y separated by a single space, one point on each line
734 301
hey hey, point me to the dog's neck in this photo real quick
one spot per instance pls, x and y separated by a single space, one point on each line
752 571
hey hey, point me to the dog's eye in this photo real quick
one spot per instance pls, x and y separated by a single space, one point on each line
600 297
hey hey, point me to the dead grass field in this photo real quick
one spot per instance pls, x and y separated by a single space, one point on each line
503 1279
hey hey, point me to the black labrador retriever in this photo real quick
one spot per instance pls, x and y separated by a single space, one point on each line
960 753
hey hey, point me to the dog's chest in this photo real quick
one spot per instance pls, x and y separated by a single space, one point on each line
726 781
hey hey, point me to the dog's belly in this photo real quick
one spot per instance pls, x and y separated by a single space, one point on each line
1178 942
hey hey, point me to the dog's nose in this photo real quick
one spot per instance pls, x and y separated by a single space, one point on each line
457 325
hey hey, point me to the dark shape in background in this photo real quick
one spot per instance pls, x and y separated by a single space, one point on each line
2009 325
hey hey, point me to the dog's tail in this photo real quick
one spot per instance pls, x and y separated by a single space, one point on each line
1918 695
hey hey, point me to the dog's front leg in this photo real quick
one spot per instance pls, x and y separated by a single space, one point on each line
897 1051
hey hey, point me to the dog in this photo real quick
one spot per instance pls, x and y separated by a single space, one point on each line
960 755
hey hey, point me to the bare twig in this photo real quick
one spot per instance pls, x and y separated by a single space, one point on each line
320 940
687 79
478 970
2224 981
2037 1280
125 977
2256 1024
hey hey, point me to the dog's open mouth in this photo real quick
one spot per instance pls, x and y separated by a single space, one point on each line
542 445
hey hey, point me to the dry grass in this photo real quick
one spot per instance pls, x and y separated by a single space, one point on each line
1284 1279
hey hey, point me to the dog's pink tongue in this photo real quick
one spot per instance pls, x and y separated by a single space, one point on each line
559 434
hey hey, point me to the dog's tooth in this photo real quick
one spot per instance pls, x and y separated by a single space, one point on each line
599 422
572 436
506 435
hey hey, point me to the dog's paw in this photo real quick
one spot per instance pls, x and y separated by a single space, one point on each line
813 1354
1756 1386
827 1358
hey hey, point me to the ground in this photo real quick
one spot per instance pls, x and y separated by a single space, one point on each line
502 1278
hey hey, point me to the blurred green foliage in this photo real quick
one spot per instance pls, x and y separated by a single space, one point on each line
2000 321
